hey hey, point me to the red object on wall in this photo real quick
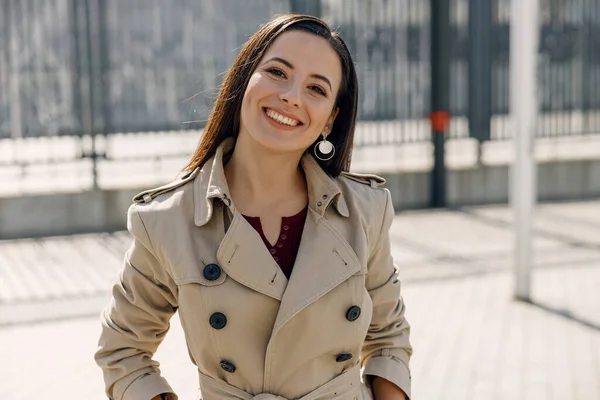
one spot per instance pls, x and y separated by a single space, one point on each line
440 121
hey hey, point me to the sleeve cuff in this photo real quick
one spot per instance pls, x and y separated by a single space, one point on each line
148 386
389 368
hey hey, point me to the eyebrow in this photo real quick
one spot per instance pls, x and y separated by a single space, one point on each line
290 66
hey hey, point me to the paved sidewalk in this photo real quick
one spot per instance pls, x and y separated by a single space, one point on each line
471 340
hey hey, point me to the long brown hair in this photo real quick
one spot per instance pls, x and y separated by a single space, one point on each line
224 119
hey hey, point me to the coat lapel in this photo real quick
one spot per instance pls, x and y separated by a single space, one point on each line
324 261
245 258
324 258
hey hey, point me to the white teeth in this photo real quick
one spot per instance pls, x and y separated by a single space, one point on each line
281 119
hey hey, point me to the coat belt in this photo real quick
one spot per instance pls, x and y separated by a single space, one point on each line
346 386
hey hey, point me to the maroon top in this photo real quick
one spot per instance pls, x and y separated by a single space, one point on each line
285 250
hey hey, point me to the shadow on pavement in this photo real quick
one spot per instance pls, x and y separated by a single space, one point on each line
565 313
500 223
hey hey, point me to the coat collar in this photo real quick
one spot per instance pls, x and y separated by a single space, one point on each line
210 183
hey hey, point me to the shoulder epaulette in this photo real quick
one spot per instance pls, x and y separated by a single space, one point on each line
148 195
375 181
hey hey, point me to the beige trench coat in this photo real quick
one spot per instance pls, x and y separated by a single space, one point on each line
252 333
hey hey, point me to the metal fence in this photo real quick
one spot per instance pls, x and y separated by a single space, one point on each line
568 67
84 67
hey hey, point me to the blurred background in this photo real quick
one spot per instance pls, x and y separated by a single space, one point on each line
111 96
100 99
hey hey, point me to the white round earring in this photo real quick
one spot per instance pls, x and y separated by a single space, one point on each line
324 150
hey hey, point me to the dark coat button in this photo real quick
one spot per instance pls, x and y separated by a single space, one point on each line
227 366
212 272
218 320
353 313
343 357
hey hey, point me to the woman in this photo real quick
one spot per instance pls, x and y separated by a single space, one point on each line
276 258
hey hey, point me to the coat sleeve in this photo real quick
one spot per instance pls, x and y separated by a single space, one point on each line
387 350
136 321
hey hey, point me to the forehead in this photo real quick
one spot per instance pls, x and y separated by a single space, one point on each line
307 52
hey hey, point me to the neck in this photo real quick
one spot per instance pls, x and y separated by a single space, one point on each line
259 178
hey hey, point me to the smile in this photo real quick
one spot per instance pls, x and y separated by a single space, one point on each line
275 116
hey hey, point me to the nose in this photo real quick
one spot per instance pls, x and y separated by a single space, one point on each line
292 96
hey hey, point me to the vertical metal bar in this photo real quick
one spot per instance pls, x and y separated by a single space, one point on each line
555 94
440 95
6 63
480 69
26 70
104 55
383 22
495 130
4 58
592 120
586 61
75 27
88 97
15 78
562 68
37 62
404 71
524 39
396 133
545 100
454 64
402 28
414 21
376 66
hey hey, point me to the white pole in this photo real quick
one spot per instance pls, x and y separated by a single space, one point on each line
524 37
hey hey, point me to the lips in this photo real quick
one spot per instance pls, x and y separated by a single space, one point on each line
281 117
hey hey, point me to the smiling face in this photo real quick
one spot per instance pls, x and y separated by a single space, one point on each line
290 98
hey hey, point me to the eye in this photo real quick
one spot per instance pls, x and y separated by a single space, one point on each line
276 72
318 89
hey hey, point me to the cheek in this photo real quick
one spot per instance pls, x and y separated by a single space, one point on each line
252 83
257 87
250 95
320 114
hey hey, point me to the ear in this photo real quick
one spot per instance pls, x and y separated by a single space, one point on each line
331 119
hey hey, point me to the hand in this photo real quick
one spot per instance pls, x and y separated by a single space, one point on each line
386 390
